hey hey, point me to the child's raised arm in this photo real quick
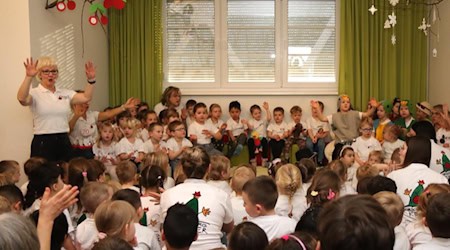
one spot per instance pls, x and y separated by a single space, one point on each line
266 108
373 106
315 106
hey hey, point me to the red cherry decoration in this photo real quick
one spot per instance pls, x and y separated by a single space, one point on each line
93 20
119 4
104 20
61 6
107 4
71 5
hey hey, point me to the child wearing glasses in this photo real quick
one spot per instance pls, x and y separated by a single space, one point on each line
366 142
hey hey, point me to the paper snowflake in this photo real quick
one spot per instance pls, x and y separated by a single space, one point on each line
372 9
394 2
392 19
393 39
424 26
387 25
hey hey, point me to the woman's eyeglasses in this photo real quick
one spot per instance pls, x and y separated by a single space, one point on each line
47 72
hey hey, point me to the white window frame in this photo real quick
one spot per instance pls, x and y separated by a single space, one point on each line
280 86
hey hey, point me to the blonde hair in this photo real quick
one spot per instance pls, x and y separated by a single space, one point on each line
366 171
366 121
93 194
429 192
393 206
219 164
5 205
45 61
288 179
249 166
112 217
377 153
131 124
126 172
159 159
339 168
102 126
8 168
240 177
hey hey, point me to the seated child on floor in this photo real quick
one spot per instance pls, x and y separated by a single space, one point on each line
219 173
296 135
277 131
237 130
257 126
240 176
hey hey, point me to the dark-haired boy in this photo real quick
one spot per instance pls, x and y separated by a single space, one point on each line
180 227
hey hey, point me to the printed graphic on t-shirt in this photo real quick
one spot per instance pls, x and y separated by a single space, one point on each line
193 203
414 196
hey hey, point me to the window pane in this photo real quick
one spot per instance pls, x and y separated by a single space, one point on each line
311 41
251 41
190 41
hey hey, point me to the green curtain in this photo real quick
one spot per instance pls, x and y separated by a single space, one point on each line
135 52
369 65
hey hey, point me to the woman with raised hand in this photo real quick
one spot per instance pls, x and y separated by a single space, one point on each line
50 106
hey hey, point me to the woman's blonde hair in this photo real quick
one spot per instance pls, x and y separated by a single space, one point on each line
45 61
430 191
219 164
111 217
159 159
288 179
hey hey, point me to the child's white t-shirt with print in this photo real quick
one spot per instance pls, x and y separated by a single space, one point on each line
363 146
149 147
173 145
109 152
217 125
316 125
212 205
278 129
259 126
125 147
153 216
236 128
390 147
275 226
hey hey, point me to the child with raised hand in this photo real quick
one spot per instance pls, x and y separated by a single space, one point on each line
200 133
147 117
116 219
291 200
391 134
127 175
11 170
105 147
260 197
406 120
297 133
152 178
215 114
346 121
237 130
317 132
155 142
325 187
258 131
341 170
277 131
240 176
130 147
368 227
365 143
219 173
437 218
418 232
247 236
180 227
177 143
383 110
393 206
145 237
92 195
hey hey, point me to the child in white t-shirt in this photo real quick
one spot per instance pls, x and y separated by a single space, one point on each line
341 170
240 176
148 117
130 147
215 113
190 111
177 143
317 132
277 131
260 196
258 131
291 200
219 173
365 143
105 147
297 132
393 205
200 133
237 130
391 141
155 142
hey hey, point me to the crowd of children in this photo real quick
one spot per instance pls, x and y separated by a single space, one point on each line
164 180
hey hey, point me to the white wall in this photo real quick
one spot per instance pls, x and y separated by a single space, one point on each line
439 74
24 24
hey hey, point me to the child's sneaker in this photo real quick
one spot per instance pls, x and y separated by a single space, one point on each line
238 149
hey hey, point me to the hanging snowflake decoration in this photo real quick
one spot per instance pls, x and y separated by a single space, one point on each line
394 2
393 39
372 9
424 26
392 19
